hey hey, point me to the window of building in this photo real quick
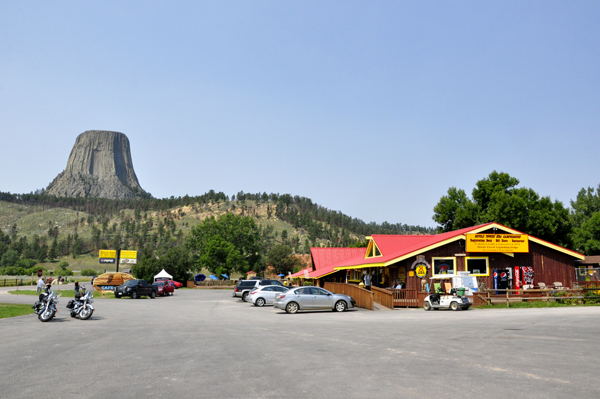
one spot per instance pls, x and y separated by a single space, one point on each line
477 266
442 266
372 250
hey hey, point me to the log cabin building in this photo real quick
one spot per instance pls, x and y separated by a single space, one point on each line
493 253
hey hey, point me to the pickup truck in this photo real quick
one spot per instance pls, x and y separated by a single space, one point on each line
136 289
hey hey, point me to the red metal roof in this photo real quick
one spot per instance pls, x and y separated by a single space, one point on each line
396 246
301 272
323 257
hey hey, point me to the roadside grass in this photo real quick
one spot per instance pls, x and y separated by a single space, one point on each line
63 293
13 310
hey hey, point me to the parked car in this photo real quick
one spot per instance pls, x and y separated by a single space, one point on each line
172 283
262 296
244 287
136 289
312 298
164 288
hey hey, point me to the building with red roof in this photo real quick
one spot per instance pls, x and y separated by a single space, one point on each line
480 250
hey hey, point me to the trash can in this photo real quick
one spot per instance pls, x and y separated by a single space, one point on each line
461 291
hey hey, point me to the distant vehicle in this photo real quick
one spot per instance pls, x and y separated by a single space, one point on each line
244 287
136 289
312 298
164 288
262 296
172 283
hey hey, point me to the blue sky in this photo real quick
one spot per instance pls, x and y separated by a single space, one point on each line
373 108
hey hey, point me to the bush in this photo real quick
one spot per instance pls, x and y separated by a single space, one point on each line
65 272
89 272
63 265
306 282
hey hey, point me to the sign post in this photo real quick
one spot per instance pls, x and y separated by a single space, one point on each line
128 257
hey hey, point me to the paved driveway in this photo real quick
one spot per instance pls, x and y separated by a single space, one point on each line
202 343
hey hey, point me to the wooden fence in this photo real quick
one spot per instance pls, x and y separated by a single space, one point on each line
491 296
383 297
363 298
406 298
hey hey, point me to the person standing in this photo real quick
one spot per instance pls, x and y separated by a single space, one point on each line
40 285
368 281
76 287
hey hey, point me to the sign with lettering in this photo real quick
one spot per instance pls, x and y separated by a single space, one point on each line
502 243
107 253
128 254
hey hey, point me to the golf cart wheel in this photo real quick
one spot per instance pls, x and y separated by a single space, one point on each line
454 306
244 296
259 302
427 306
291 307
340 306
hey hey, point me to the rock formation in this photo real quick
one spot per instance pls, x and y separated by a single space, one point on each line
99 166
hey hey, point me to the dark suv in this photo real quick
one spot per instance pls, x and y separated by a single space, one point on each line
244 287
136 289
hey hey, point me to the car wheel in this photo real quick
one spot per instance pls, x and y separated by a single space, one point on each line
427 306
117 296
260 302
454 306
134 295
153 294
244 296
291 307
340 306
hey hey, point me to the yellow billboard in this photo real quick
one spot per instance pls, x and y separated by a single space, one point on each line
503 243
107 254
128 254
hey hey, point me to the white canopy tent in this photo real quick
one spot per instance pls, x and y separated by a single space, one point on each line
163 275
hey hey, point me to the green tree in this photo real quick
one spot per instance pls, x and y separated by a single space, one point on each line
240 232
176 261
53 251
9 258
282 259
498 199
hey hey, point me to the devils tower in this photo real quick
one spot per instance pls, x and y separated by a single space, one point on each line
99 166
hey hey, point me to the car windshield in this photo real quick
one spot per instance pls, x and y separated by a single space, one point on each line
131 283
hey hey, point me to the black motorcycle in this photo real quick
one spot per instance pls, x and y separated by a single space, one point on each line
45 307
81 307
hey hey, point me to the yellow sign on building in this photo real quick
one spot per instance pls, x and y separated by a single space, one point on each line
503 243
128 254
107 254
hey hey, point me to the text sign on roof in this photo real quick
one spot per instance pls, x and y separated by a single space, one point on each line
503 243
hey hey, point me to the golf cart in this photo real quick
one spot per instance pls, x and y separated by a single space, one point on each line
453 299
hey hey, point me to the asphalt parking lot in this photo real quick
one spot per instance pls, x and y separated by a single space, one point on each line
206 344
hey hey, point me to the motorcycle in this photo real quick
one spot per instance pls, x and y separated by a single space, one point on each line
80 306
45 307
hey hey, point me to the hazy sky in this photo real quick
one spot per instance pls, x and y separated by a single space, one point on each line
373 108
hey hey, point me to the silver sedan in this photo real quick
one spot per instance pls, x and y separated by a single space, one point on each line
312 298
262 296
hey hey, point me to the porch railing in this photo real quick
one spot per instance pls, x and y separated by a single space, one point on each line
362 297
383 297
407 298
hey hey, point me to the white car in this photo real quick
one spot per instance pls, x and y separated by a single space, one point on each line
262 296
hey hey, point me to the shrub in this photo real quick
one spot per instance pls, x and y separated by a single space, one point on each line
63 265
306 282
89 272
65 272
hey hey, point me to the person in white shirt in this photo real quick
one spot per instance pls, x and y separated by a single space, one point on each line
40 285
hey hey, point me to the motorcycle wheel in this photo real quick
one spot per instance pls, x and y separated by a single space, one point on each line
85 314
46 316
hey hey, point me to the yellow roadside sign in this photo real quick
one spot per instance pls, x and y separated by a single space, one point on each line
128 254
107 254
503 243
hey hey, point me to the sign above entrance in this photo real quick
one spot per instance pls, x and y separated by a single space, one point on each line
502 243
